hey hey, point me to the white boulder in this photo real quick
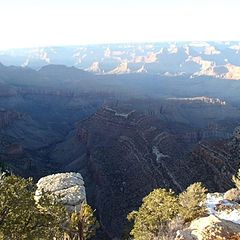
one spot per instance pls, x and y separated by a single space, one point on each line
68 188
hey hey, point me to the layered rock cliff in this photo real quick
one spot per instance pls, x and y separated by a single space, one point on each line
127 154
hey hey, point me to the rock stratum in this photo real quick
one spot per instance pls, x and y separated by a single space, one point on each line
124 154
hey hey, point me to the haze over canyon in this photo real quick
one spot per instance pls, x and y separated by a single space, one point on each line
129 117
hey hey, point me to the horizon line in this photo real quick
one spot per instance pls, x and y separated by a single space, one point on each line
118 43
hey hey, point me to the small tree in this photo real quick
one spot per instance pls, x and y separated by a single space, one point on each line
22 218
152 218
162 213
236 179
192 202
52 214
82 225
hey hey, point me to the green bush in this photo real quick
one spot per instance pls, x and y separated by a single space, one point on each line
152 218
162 213
82 225
21 217
192 202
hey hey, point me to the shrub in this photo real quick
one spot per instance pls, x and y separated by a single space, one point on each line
82 225
21 217
192 202
152 218
162 213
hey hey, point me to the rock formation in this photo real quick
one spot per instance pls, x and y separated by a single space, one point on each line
128 154
220 60
223 223
126 148
210 228
68 188
212 164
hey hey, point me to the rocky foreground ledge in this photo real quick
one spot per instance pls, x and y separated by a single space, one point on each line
223 222
68 188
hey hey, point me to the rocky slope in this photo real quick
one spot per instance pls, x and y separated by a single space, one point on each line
210 228
223 222
33 121
123 154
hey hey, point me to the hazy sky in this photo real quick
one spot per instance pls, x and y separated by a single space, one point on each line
29 23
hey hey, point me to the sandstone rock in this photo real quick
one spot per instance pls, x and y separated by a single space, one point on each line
67 187
233 195
210 228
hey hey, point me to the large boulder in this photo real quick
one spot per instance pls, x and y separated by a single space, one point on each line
68 188
210 228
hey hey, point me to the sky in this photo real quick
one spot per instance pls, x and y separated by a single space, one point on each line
35 23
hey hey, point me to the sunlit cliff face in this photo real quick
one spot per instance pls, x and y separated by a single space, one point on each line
215 59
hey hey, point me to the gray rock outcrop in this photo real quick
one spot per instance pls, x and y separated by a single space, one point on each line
68 188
